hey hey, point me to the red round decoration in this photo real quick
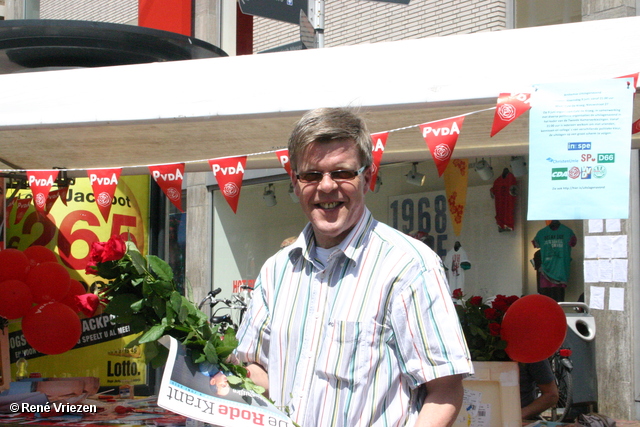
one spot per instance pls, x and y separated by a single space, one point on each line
13 265
534 328
38 254
51 328
48 281
75 288
15 299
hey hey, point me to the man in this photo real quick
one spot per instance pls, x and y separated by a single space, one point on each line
352 324
533 377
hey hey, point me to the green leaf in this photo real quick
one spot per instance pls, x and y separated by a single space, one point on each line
210 352
233 380
160 268
153 334
120 306
161 359
137 306
138 261
162 288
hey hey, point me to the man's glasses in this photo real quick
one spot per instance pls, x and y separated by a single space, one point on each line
338 176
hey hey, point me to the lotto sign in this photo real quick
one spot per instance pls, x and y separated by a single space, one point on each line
70 230
40 183
229 172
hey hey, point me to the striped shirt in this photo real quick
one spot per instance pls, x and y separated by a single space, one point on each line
349 342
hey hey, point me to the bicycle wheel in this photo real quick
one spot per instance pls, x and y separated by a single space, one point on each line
564 381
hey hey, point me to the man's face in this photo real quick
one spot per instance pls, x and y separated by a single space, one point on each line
333 207
222 384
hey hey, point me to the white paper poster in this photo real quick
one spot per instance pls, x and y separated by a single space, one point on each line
579 150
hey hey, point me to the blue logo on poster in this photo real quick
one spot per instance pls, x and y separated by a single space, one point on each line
579 146
586 172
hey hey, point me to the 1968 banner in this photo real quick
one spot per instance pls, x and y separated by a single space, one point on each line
426 212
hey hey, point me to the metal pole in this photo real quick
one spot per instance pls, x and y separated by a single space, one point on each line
316 16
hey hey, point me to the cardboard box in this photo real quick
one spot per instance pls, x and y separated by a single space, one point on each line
491 396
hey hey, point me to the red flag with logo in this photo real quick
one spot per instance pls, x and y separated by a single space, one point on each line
379 141
23 207
635 127
441 137
169 179
40 183
509 107
283 157
51 199
104 183
229 172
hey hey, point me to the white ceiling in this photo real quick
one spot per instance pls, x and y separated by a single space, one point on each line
190 111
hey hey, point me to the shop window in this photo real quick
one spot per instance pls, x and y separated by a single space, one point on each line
535 13
176 242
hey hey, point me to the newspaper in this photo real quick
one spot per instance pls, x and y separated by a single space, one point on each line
201 392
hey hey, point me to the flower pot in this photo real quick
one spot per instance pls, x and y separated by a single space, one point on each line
491 396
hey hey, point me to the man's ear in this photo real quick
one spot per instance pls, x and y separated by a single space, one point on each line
368 176
294 181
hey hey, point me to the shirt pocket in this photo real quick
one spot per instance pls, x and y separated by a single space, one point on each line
348 351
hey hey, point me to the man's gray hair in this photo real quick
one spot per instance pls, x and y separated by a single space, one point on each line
326 125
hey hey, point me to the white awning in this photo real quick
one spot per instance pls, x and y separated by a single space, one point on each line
199 109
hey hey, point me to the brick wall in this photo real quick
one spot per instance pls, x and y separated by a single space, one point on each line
114 11
349 22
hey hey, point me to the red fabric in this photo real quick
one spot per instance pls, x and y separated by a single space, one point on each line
505 202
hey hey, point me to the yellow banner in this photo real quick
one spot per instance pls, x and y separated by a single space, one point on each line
455 184
69 230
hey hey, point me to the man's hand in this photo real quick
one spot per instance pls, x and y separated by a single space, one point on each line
259 376
443 402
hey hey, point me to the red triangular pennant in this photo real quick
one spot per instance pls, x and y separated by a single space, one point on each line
441 137
104 183
379 141
509 107
169 179
633 76
635 127
51 199
23 207
10 208
229 172
40 183
283 157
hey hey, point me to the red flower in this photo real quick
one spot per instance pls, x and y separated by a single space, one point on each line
95 254
91 268
114 249
512 299
494 329
476 301
491 314
500 304
457 293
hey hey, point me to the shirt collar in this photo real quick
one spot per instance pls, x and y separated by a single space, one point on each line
351 246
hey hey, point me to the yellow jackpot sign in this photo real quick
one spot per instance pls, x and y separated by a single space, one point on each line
69 230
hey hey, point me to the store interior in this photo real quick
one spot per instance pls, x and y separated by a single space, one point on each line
500 260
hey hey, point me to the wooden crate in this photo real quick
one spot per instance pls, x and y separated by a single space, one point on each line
491 396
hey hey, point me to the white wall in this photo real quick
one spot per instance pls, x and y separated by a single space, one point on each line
500 261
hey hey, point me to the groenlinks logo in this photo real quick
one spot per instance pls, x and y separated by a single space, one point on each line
599 171
559 174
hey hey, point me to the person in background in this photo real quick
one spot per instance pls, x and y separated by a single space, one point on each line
352 324
533 377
